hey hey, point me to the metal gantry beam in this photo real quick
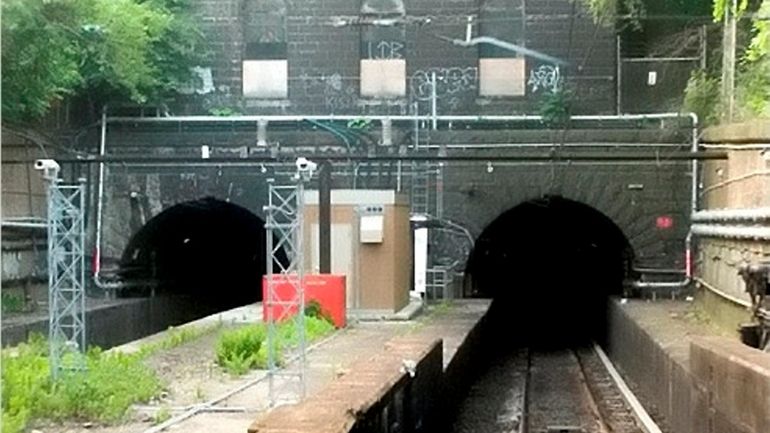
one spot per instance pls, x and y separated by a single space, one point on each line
66 271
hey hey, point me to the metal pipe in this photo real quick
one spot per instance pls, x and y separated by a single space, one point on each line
659 271
470 146
694 149
756 146
661 284
398 176
433 101
660 59
759 233
619 79
752 214
673 284
97 259
399 118
23 225
545 156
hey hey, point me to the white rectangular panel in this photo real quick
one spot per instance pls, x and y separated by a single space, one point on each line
265 79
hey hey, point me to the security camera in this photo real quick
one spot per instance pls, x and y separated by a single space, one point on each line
50 168
304 165
46 164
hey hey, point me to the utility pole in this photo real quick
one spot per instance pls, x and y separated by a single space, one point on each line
728 60
324 217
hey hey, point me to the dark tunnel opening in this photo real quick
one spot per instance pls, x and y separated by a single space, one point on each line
209 249
550 265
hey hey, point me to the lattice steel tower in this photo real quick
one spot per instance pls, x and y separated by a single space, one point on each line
284 224
66 271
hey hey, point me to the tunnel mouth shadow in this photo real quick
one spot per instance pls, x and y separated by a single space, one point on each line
550 265
208 249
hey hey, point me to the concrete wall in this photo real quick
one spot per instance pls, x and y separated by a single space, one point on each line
380 395
117 322
23 196
740 182
377 394
696 384
734 381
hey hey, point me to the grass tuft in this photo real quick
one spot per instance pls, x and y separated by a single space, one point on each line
244 349
104 392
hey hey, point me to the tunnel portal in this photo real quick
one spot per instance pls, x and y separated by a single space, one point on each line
206 248
549 264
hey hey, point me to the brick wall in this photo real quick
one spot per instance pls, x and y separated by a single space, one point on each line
324 49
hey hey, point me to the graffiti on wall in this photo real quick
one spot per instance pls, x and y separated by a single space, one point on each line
546 78
338 93
384 50
449 81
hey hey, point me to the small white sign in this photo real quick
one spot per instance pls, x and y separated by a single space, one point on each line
371 229
652 78
205 152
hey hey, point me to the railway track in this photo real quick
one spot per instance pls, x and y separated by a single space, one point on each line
563 391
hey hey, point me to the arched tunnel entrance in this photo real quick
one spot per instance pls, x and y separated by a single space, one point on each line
209 249
549 265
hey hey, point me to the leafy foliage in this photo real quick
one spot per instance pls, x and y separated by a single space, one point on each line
314 309
605 12
244 349
104 392
700 96
239 350
101 49
720 7
556 107
753 92
12 303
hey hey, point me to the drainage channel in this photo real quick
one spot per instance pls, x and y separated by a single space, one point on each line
558 391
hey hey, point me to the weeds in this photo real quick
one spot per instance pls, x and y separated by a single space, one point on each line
12 303
240 350
244 349
162 415
111 383
178 336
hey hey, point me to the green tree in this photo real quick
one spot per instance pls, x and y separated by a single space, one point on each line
608 12
101 50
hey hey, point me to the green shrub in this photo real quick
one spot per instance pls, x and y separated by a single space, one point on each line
243 349
105 391
752 92
556 107
238 350
701 96
12 303
314 309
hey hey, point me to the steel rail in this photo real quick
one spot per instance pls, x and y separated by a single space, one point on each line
643 418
